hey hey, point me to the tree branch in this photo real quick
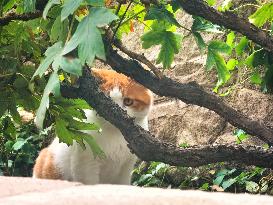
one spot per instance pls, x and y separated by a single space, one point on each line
131 54
23 17
148 148
228 20
190 93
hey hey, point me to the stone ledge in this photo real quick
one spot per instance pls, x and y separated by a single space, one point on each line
27 191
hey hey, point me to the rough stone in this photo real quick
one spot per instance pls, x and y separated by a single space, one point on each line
44 192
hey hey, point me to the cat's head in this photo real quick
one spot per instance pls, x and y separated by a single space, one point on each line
128 94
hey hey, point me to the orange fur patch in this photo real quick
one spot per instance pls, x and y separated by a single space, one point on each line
130 89
44 167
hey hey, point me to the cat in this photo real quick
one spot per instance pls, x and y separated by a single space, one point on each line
72 163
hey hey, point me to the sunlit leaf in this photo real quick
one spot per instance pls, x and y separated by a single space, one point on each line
241 46
231 64
262 15
170 44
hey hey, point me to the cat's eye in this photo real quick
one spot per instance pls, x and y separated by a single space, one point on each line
128 101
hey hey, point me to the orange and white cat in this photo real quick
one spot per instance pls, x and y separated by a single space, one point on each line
59 161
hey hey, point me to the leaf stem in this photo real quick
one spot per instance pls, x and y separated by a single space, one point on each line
70 29
119 24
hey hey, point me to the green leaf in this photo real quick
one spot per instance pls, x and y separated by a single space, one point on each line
232 63
53 86
97 151
88 36
170 44
72 66
255 59
200 41
262 15
228 183
241 46
52 54
49 4
205 187
69 7
219 46
95 2
223 73
218 180
225 5
62 132
29 5
210 62
256 78
252 187
59 30
230 39
78 125
20 83
211 2
19 144
160 13
8 5
214 58
200 24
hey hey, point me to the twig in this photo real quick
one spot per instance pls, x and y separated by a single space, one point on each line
123 16
228 20
23 17
133 55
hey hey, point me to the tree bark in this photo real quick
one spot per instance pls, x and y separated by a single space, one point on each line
148 148
228 20
190 93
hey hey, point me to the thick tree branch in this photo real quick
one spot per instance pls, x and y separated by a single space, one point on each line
190 93
228 20
148 148
23 17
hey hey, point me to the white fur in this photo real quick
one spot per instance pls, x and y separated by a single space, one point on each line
78 165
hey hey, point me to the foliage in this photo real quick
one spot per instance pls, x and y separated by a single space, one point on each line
36 56
218 177
19 146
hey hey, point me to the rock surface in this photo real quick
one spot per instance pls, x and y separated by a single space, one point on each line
179 123
27 191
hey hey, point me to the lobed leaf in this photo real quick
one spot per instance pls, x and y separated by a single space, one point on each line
62 132
88 37
170 44
160 13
